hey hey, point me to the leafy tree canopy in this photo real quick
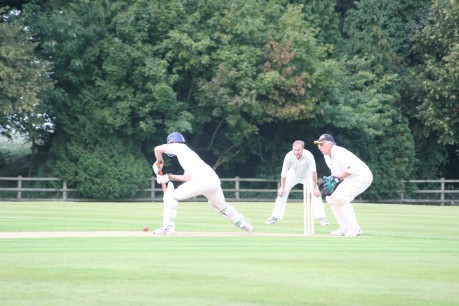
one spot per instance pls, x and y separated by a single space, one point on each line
438 92
24 77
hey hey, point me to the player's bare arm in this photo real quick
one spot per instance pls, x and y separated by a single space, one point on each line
281 190
314 181
159 151
180 178
342 176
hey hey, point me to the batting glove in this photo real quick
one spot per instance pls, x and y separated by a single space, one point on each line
162 179
157 166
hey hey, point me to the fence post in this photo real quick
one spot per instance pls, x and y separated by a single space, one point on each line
64 190
236 186
442 194
402 192
152 187
19 195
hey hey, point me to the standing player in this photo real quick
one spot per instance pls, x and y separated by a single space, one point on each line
299 166
199 179
355 178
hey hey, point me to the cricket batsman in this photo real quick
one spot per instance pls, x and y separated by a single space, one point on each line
199 179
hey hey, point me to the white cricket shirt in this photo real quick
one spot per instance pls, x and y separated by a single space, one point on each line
299 169
343 160
191 163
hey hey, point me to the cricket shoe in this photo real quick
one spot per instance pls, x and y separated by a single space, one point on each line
170 230
339 232
352 232
324 221
271 220
246 226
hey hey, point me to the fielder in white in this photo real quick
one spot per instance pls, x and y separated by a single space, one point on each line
355 177
299 166
199 179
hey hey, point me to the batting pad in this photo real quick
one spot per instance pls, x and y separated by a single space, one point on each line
170 206
231 213
169 194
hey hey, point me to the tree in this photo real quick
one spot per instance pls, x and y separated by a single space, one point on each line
239 67
323 16
24 80
438 92
241 79
363 108
95 145
429 92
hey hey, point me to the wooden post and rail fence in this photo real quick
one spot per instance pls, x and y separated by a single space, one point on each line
439 192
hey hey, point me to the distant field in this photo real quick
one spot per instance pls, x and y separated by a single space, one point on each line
408 255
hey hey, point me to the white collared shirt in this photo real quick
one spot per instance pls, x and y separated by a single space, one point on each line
299 169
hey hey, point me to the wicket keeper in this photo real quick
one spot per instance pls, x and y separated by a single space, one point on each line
353 177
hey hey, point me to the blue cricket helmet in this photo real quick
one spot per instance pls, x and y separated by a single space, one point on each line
175 137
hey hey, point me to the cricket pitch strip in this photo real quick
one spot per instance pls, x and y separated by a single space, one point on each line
87 234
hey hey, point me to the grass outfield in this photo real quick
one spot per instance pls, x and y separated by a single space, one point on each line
408 255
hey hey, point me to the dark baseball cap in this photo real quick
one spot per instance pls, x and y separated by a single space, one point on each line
324 138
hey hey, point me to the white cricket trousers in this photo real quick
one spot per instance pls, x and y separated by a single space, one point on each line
345 193
281 202
207 185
